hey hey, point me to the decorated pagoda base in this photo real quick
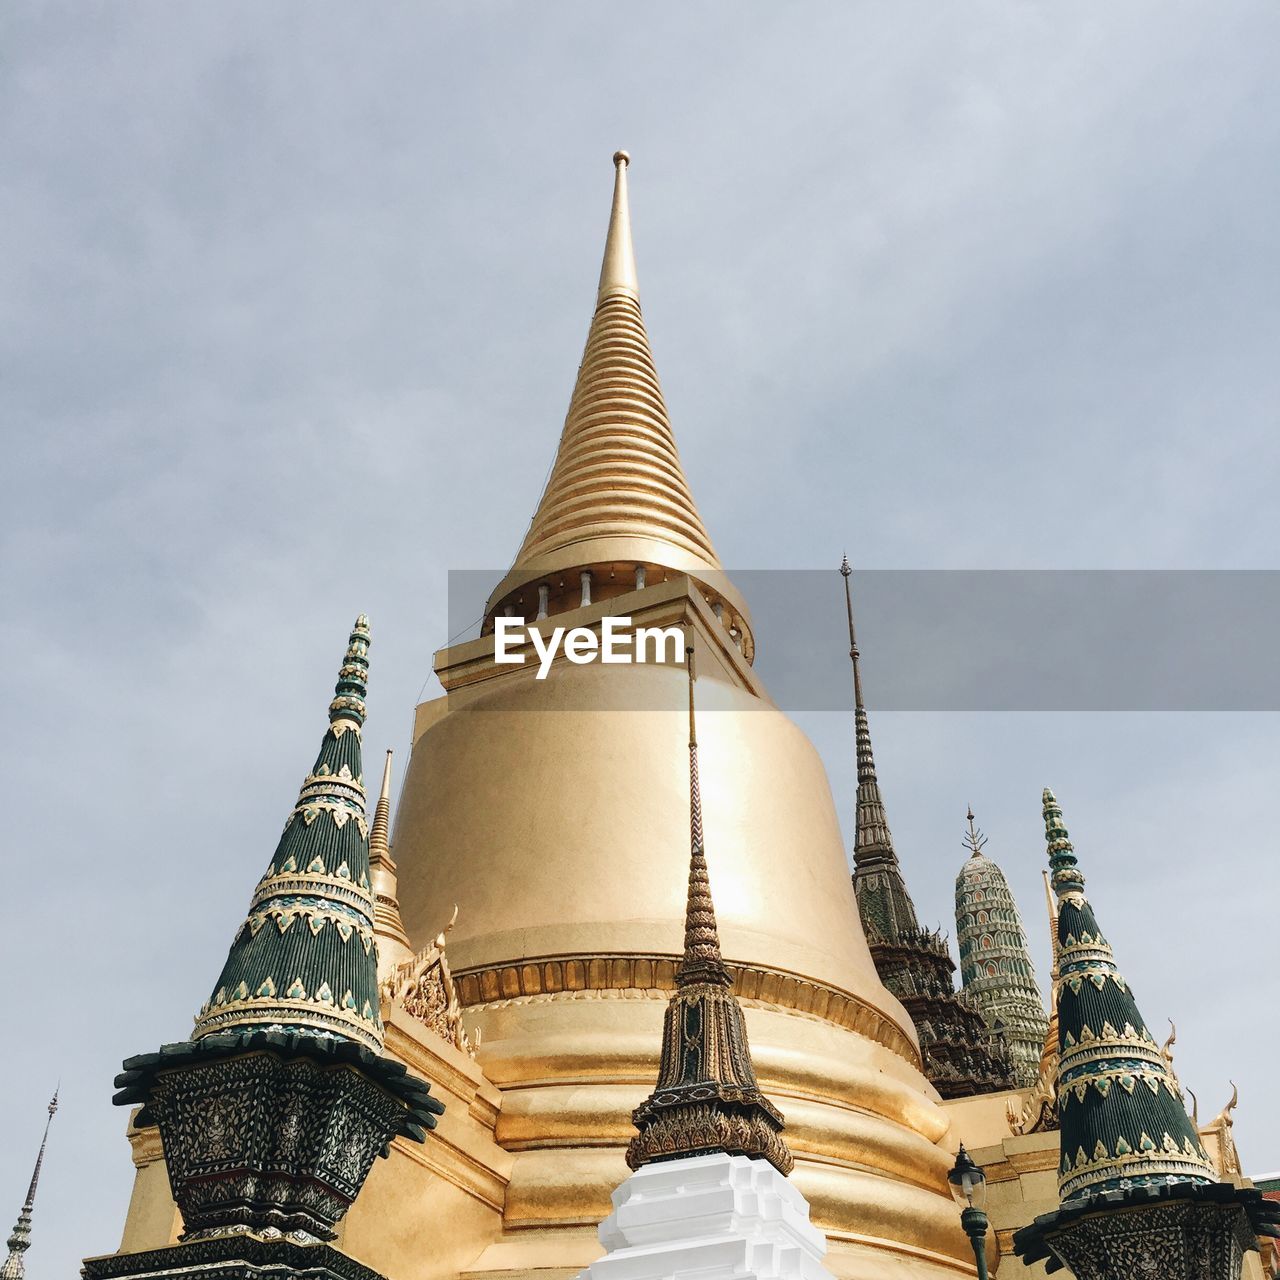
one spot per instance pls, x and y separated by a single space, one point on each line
1180 1231
233 1256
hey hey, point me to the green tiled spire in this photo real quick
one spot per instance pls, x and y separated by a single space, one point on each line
304 959
1123 1120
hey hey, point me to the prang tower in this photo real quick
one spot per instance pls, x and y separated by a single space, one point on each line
995 964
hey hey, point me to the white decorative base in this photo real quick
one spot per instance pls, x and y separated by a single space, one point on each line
713 1217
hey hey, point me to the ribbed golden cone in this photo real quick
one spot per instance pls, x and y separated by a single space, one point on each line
617 494
388 929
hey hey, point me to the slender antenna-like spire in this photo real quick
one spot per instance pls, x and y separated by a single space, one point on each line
389 932
887 907
846 572
1122 1117
701 961
304 959
20 1240
380 830
707 1098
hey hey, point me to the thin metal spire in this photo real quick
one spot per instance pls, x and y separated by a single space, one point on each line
873 841
20 1240
973 838
702 961
707 1097
846 571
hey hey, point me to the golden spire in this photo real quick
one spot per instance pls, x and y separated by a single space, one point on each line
388 929
1049 1055
617 495
1039 1113
707 1098
618 270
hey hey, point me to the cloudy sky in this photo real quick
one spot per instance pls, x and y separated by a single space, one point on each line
293 299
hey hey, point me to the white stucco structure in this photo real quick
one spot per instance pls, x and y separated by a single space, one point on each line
713 1216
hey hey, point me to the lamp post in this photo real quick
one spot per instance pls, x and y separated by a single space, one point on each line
969 1190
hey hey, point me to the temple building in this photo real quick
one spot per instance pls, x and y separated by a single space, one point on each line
995 963
963 1053
588 1041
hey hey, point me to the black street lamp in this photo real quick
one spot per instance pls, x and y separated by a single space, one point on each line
969 1190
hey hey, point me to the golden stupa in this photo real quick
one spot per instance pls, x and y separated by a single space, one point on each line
530 921
553 813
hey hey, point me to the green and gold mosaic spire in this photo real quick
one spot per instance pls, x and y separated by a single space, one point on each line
1123 1121
304 960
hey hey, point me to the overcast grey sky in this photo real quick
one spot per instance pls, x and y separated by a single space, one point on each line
293 297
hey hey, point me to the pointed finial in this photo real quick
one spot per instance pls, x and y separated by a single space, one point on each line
1051 903
1067 877
973 838
618 271
389 933
701 961
380 830
854 656
707 1098
353 677
19 1241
